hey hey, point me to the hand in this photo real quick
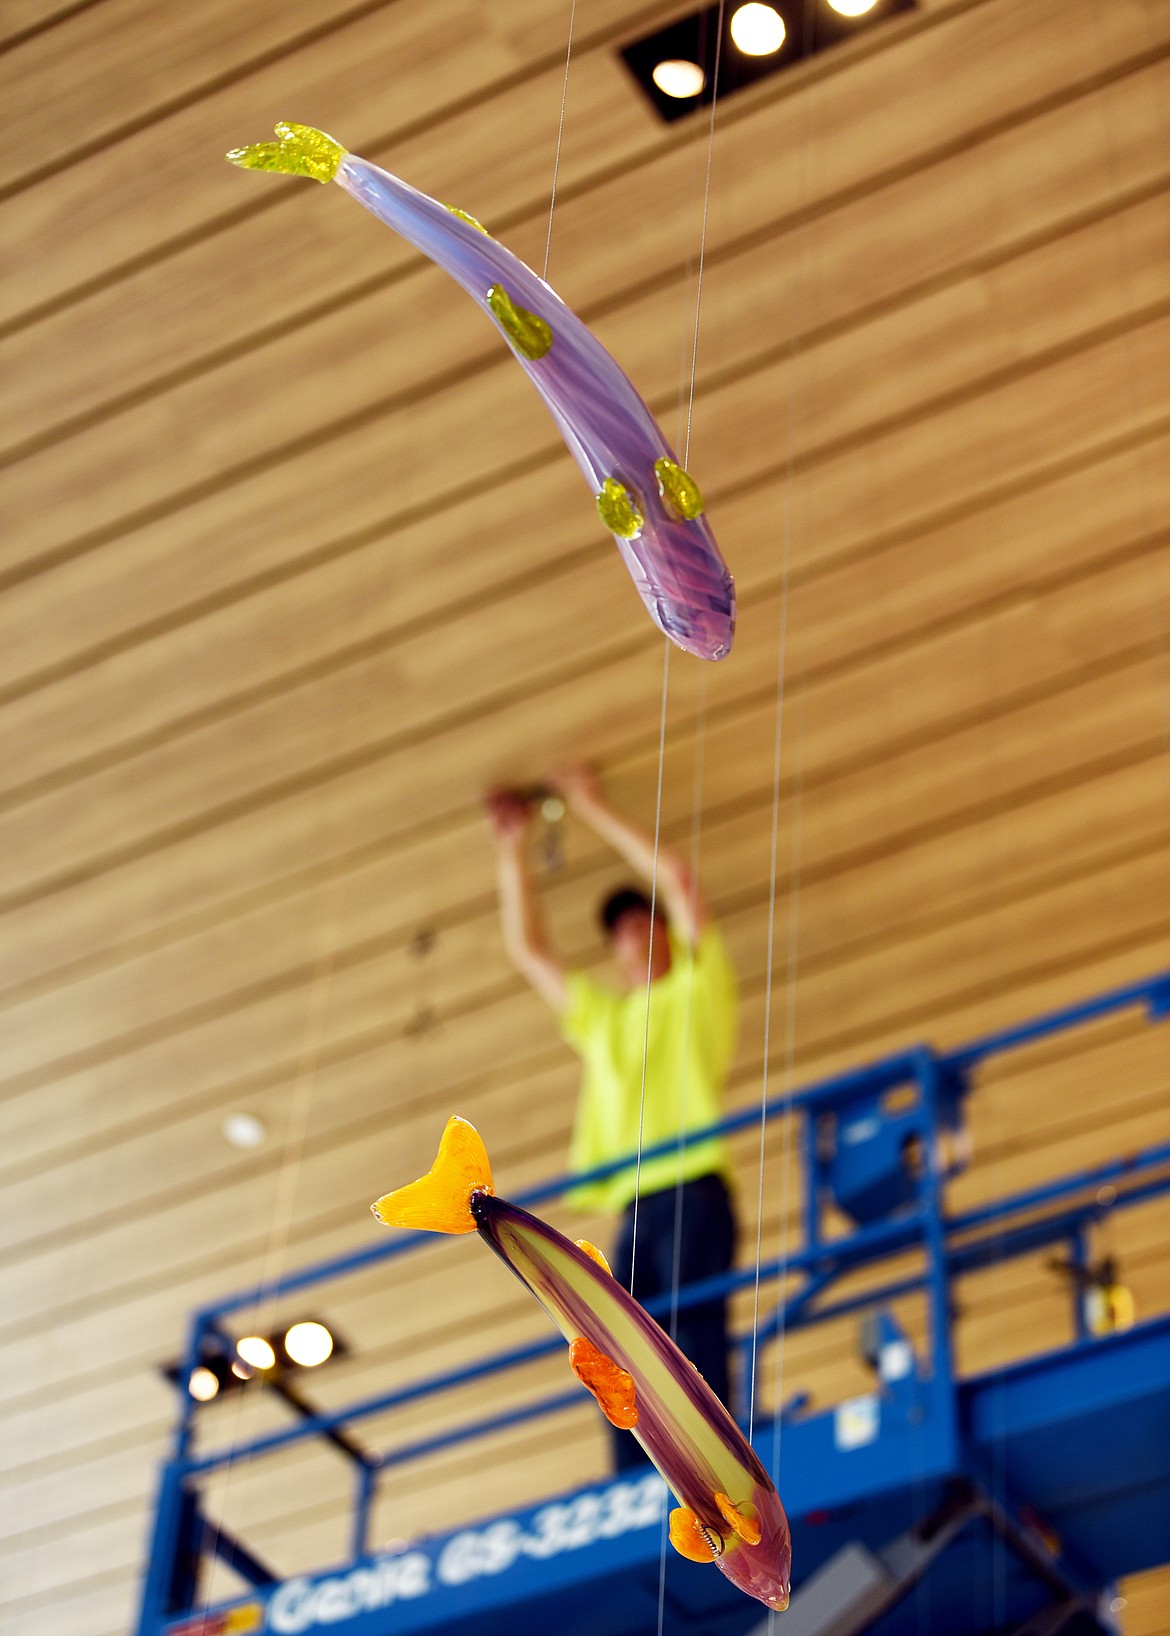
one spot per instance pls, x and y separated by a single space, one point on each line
507 815
579 785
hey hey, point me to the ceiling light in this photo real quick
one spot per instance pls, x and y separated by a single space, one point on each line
759 30
241 1370
678 78
254 1349
202 1384
852 8
244 1130
308 1344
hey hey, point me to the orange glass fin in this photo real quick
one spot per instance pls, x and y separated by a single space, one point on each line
747 1528
612 1386
440 1201
594 1254
689 1537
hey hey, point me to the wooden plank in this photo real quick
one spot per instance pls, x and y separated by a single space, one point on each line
130 698
991 1325
842 910
889 803
20 18
42 532
1059 164
483 957
927 978
105 70
262 738
1073 514
998 1324
167 183
833 607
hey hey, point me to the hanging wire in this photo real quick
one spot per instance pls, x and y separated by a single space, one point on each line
676 1248
650 954
287 1178
794 868
552 202
666 660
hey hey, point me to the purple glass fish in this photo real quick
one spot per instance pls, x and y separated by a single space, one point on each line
729 1511
652 507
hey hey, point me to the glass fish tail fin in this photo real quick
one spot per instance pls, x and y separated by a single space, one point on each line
300 151
440 1201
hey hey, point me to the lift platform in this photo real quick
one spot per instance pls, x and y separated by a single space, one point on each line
1006 1502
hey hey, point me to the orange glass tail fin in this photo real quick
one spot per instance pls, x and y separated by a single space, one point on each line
440 1201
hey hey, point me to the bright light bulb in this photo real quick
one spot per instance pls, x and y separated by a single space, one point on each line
254 1349
202 1385
244 1130
758 30
308 1344
676 78
852 8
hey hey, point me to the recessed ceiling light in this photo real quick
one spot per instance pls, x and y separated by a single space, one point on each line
852 8
245 1130
678 78
202 1384
759 30
308 1344
254 1349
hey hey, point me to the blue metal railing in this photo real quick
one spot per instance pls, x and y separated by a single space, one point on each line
1056 1212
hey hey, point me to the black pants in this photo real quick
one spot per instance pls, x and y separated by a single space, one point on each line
706 1247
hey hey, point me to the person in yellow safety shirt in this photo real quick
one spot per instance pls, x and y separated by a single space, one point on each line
685 1215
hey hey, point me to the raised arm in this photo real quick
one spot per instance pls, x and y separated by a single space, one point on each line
525 939
677 890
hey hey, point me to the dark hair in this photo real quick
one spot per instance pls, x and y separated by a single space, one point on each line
620 903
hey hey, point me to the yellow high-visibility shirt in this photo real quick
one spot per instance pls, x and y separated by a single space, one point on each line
694 1011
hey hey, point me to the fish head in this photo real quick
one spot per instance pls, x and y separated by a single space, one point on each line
684 582
764 1569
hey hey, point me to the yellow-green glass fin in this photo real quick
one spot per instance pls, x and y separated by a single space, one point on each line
679 489
530 335
465 216
618 509
301 151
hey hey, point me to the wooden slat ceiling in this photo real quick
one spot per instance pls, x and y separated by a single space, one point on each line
294 566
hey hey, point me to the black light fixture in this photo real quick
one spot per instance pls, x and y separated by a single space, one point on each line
226 1364
676 65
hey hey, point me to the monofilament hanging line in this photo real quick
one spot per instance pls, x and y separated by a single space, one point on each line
288 1172
666 660
676 1248
650 954
552 202
794 866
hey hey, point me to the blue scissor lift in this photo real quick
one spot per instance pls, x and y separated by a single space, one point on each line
1005 1502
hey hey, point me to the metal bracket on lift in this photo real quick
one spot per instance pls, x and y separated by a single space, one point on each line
856 1586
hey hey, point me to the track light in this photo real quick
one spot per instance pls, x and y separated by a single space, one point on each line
758 30
227 1365
202 1384
254 1349
244 1130
308 1344
718 49
678 78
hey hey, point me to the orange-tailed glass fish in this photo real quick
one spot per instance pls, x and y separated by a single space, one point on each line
729 1511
